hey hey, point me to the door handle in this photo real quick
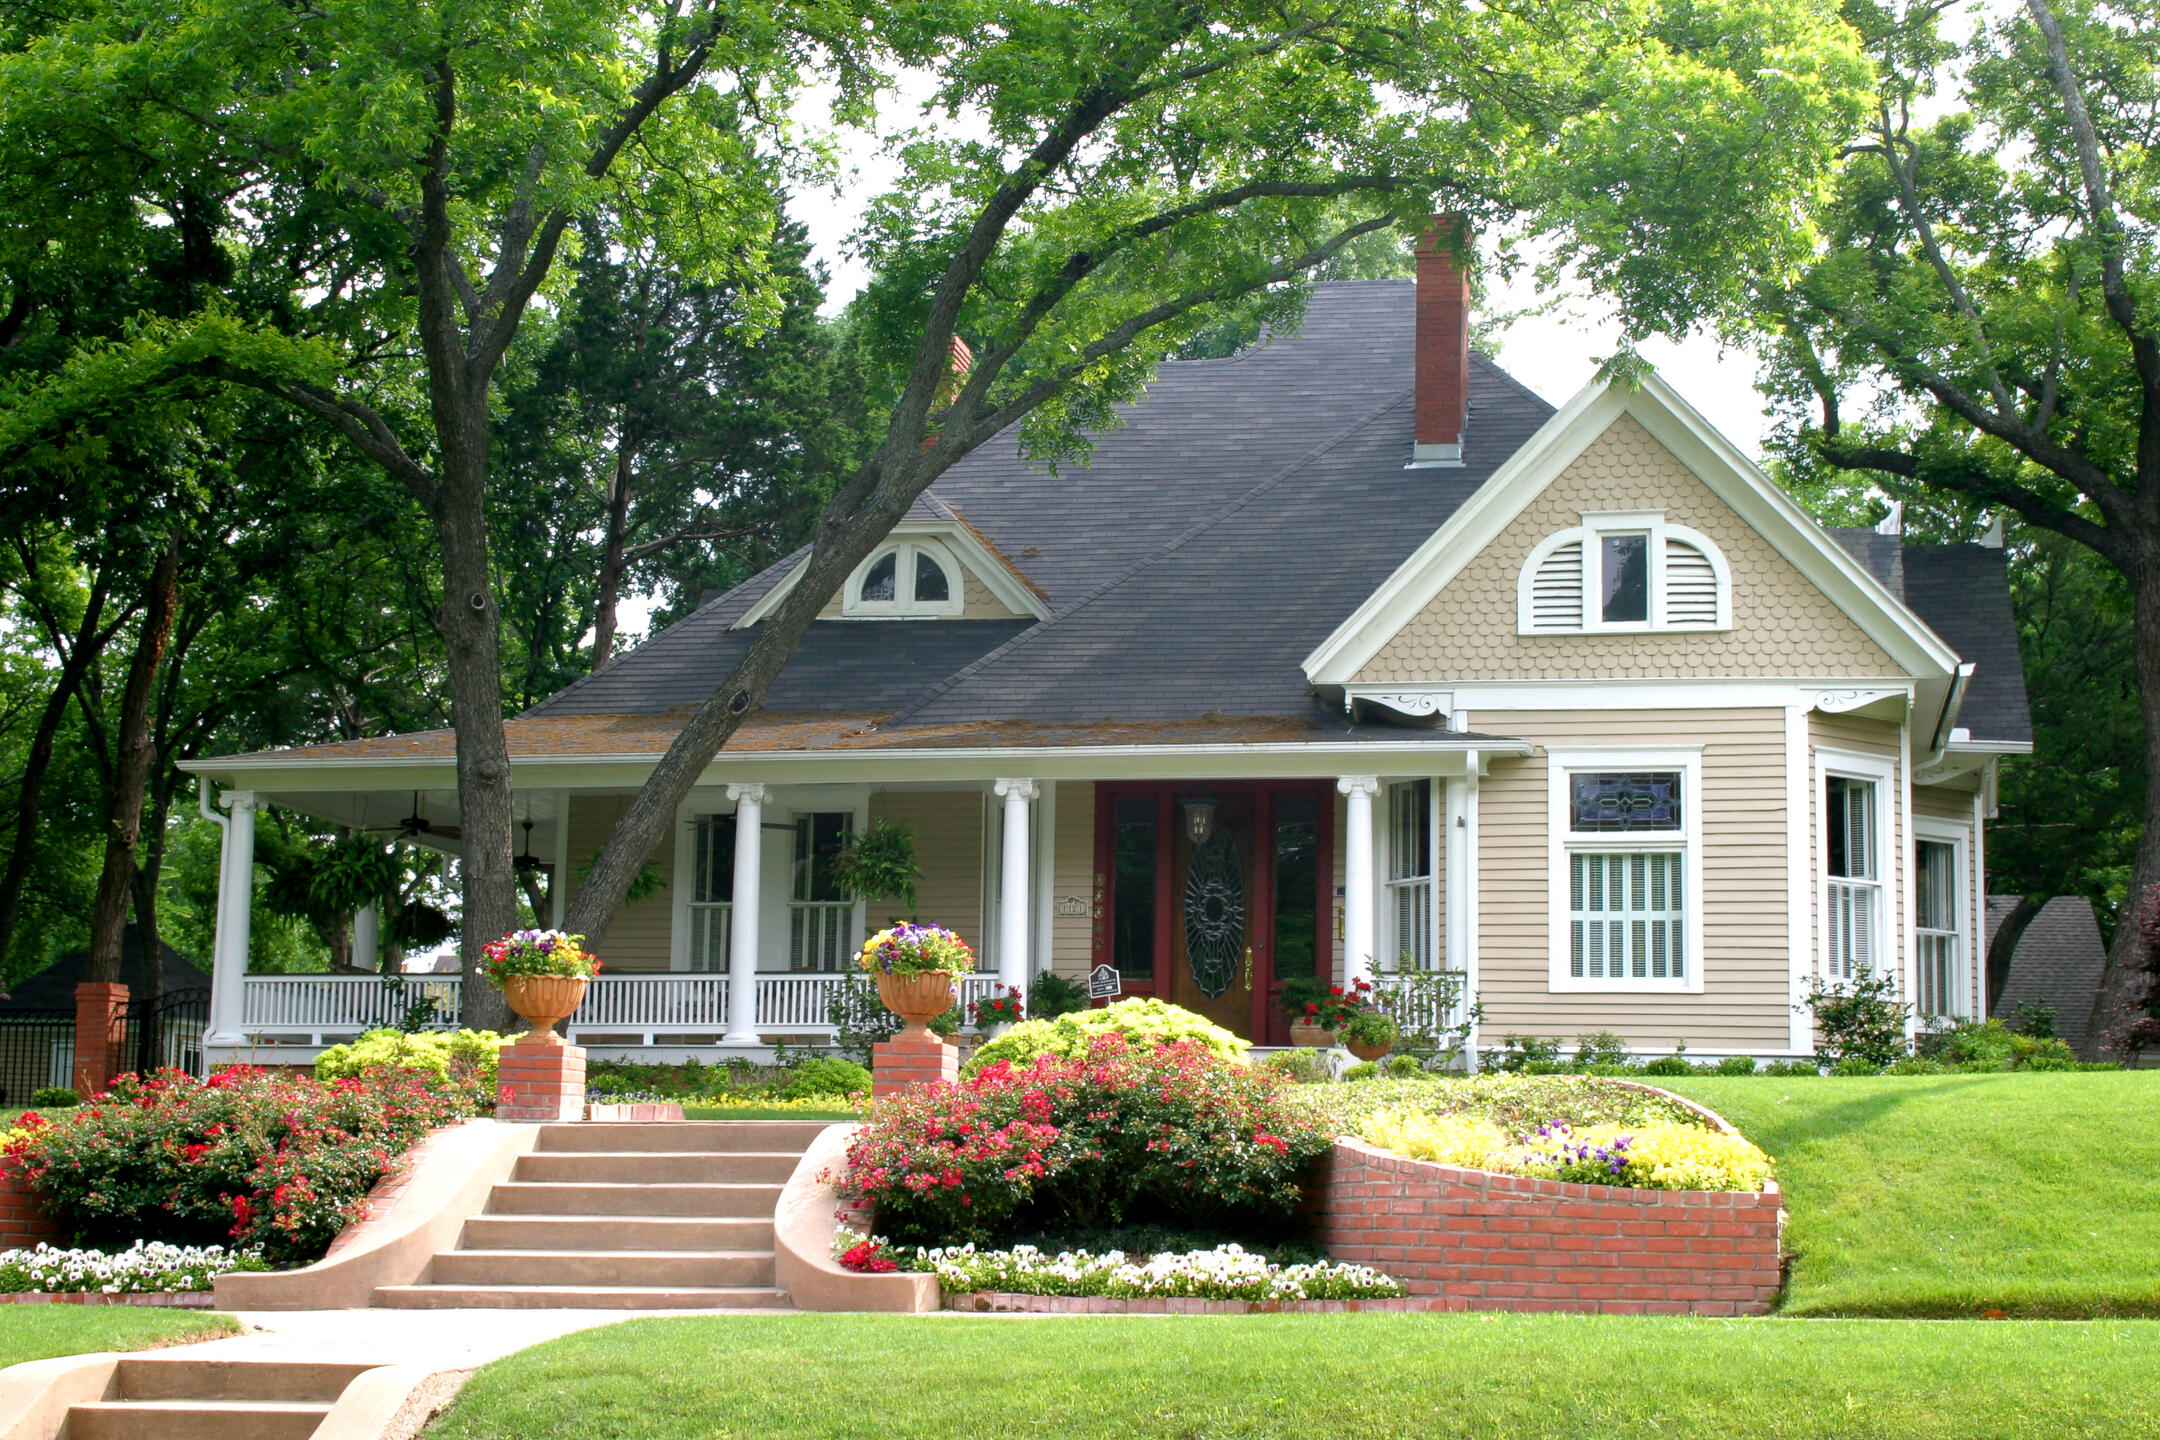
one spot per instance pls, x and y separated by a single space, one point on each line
1248 967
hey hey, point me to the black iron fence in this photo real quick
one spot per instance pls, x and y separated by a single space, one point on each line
37 1049
168 1035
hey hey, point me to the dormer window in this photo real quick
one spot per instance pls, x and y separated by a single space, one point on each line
914 577
1624 571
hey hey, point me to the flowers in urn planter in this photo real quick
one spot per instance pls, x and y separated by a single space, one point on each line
1367 1027
1008 1008
538 952
911 949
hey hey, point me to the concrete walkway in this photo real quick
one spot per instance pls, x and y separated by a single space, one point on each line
436 1339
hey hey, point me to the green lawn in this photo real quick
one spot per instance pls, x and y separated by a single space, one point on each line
1551 1377
1952 1195
38 1332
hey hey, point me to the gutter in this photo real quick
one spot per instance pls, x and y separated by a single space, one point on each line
1952 703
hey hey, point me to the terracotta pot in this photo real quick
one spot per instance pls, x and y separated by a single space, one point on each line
543 1001
917 1000
1368 1049
1312 1037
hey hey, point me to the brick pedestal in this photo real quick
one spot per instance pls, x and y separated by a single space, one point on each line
541 1082
100 1036
897 1064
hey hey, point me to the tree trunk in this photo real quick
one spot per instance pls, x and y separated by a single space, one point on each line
2002 946
28 788
151 863
611 558
2122 984
135 749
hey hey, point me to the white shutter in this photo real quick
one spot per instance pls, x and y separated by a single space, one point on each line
1691 598
1556 598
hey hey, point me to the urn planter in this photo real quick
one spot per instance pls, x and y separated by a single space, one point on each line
1312 1037
543 1001
917 1000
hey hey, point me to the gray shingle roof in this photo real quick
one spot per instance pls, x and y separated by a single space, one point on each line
2058 962
1962 593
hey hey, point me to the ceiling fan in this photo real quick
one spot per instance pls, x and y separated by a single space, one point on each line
416 824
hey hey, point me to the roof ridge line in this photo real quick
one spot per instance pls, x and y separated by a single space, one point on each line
1168 547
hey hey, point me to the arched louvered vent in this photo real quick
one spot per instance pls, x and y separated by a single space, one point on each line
1691 598
1556 594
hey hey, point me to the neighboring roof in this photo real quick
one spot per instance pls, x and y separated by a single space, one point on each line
53 988
2059 961
1963 593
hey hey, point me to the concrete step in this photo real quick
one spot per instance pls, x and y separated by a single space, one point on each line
579 1297
725 1269
618 1232
195 1419
694 1135
176 1377
772 1167
546 1198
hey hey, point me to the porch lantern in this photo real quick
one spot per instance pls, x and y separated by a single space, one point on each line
1199 817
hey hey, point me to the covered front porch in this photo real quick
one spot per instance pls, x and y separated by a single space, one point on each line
1212 890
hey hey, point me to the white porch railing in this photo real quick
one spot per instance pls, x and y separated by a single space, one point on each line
671 1009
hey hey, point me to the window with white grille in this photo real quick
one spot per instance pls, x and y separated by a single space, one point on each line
712 891
1625 874
1624 572
1853 877
1410 875
1939 955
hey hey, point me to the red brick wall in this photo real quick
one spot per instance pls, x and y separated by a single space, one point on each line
23 1221
1501 1242
897 1064
540 1082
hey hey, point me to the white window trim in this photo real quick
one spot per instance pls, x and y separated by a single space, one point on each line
1958 836
1391 887
1562 842
1881 770
904 550
1595 526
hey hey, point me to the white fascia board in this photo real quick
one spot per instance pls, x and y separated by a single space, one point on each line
991 572
1438 753
1678 692
1729 474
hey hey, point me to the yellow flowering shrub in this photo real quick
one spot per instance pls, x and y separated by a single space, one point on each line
1470 1141
1658 1156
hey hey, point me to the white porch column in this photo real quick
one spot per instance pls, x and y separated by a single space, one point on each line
235 915
1013 913
1358 881
366 937
743 914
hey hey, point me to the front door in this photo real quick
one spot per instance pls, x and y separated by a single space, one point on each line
1214 928
1212 896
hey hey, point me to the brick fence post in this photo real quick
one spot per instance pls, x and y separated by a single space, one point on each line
540 1082
100 1036
897 1064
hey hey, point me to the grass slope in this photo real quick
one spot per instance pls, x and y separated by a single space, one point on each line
38 1332
1498 1377
1954 1195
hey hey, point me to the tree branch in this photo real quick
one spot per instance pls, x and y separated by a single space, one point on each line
1984 487
357 422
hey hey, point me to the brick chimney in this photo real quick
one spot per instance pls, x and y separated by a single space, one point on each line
1443 346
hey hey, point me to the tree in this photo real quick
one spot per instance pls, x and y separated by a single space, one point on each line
1146 171
1988 278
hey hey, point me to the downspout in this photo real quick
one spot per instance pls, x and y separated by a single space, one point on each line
1952 704
209 811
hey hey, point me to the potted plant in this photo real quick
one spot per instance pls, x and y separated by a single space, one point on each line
879 864
915 967
1317 1017
543 975
1368 1034
998 1009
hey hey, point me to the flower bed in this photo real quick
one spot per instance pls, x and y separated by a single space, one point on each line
1228 1272
275 1161
1656 1156
144 1268
1172 1134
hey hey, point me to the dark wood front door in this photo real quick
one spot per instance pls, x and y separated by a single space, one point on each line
1212 896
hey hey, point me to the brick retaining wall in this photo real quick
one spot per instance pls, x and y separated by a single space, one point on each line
1481 1241
23 1221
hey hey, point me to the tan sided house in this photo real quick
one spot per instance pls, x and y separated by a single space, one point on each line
1345 656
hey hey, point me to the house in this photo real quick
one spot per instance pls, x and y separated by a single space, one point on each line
1347 655
37 1019
2058 963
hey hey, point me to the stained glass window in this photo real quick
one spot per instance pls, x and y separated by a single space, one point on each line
1627 802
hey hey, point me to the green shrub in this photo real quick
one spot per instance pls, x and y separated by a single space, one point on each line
1523 1052
1600 1047
1363 1070
2035 1018
1369 1027
1402 1067
1304 1066
443 1055
1917 1065
824 1076
1052 995
54 1097
2042 1052
1856 1065
1791 1067
1863 1020
1674 1064
1736 1065
1141 1022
